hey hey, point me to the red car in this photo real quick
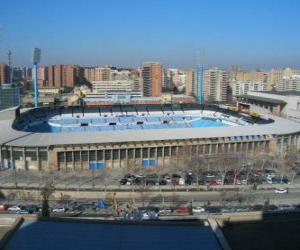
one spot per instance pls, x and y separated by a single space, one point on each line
3 207
183 210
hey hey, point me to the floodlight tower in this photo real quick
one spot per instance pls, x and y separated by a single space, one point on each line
200 76
36 58
10 66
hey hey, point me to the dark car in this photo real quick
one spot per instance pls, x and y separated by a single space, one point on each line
152 179
139 181
190 179
123 181
32 208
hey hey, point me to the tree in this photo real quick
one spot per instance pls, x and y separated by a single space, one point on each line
46 192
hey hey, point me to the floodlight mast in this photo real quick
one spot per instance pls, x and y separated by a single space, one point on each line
36 59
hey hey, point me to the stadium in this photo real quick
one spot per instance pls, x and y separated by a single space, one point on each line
82 138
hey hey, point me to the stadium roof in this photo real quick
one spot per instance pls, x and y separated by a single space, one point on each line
264 99
286 93
70 235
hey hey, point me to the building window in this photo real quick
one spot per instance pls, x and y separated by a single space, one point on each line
100 155
92 155
84 155
31 154
115 154
69 156
107 154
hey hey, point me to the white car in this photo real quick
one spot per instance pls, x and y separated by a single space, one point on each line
198 209
181 181
14 209
280 191
59 210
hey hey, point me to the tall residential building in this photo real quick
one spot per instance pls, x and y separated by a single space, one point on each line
58 76
191 82
62 75
102 74
42 76
70 74
4 73
216 86
152 74
89 74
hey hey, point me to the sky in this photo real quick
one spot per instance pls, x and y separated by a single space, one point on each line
178 33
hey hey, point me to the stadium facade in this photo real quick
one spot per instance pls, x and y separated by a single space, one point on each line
78 138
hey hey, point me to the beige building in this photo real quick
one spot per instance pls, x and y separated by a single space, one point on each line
275 76
191 82
102 74
216 86
152 74
89 74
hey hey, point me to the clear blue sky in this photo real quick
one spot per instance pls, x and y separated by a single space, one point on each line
252 33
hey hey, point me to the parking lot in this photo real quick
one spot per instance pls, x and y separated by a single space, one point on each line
121 179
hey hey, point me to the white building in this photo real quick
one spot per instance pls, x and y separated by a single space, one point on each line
291 83
242 87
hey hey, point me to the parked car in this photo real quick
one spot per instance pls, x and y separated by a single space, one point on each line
14 208
228 210
166 177
123 181
59 210
183 210
281 191
165 211
198 209
3 207
32 208
285 207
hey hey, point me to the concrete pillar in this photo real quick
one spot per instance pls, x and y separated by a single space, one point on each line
12 158
126 157
1 158
80 160
163 156
111 157
38 159
73 159
119 151
103 154
65 160
24 158
177 156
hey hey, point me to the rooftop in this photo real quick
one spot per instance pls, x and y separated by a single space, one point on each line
263 99
69 235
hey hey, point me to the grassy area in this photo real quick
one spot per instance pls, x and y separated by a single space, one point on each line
276 231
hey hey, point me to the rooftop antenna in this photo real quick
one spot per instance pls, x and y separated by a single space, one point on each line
200 75
36 58
10 66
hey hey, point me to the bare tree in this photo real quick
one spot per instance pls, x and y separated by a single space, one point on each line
46 192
